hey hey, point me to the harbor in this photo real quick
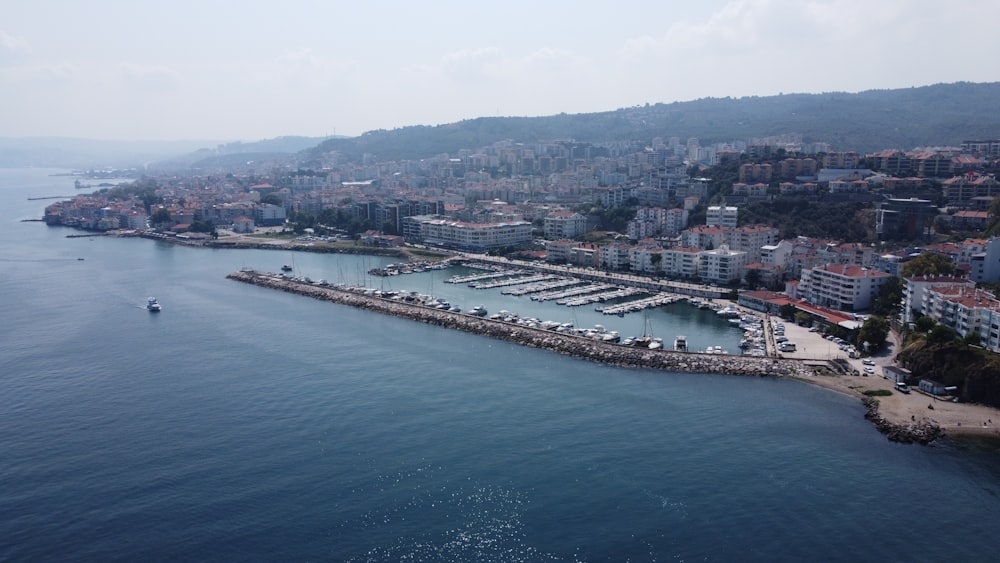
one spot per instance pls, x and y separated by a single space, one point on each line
589 344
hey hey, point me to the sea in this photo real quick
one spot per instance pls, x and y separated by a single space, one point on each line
246 424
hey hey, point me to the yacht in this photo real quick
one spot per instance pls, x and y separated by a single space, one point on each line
286 268
152 305
681 343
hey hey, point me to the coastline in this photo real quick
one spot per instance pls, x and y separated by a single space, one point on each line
901 418
611 354
886 418
900 412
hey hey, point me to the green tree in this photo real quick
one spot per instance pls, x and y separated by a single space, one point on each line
874 332
161 217
787 311
925 324
928 264
656 259
753 278
271 199
889 299
941 334
972 339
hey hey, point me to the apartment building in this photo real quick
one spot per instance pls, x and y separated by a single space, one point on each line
985 266
969 186
472 237
564 224
966 310
916 297
681 262
722 265
751 239
722 216
840 286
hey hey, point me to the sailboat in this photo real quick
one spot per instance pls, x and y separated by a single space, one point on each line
647 340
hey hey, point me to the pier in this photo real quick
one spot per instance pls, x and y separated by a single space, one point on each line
562 342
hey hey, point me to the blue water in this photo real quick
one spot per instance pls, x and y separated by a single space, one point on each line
247 424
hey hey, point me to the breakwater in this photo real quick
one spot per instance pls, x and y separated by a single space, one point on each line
922 432
570 345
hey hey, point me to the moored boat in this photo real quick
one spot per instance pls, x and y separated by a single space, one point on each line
680 343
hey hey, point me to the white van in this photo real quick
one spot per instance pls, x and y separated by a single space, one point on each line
902 387
786 347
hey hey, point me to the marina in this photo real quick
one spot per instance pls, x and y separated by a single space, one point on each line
523 293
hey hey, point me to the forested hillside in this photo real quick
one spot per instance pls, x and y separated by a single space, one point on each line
942 114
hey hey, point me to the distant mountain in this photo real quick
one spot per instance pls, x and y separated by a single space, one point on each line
942 114
60 152
236 154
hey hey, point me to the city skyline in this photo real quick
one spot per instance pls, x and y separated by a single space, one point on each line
247 71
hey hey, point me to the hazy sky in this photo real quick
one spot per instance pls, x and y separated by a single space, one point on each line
249 70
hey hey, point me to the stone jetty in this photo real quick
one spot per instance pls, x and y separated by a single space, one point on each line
571 345
921 432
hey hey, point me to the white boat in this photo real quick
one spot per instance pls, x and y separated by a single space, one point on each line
478 311
681 343
152 305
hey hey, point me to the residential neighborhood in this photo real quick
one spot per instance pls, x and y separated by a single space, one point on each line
660 209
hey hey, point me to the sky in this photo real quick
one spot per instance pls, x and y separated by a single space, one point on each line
248 70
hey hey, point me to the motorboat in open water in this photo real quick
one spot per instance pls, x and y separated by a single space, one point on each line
152 305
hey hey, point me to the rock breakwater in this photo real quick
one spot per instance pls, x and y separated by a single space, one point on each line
920 432
570 345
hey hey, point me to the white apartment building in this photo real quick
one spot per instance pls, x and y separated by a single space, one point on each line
641 259
474 237
681 262
916 298
985 266
564 224
777 253
720 216
751 239
840 286
703 237
721 265
674 221
616 256
640 229
966 310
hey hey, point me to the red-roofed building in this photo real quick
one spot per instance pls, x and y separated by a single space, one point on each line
967 310
841 286
916 300
970 220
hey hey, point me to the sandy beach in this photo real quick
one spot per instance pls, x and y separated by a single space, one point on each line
953 418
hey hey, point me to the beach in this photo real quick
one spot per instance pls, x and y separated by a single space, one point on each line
954 419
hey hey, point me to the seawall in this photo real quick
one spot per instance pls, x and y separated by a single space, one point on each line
613 354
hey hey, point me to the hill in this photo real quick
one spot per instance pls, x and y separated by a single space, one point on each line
942 114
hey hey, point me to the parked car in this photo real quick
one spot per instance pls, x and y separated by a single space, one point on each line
868 362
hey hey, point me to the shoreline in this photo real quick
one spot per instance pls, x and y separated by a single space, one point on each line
571 345
895 412
923 430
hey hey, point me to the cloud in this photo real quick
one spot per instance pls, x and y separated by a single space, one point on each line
148 78
473 64
768 46
13 50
